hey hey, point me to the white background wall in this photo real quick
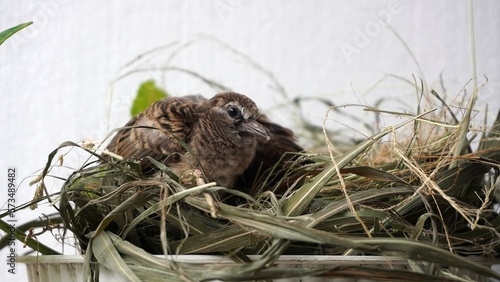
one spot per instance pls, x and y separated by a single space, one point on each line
55 75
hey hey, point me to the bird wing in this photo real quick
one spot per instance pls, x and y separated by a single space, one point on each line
270 154
282 140
158 132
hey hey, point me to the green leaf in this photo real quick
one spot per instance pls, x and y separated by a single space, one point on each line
147 94
9 32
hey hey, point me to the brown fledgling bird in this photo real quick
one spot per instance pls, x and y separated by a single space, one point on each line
226 137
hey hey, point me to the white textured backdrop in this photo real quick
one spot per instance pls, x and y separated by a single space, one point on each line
56 74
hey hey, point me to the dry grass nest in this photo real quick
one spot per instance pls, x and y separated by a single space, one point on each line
428 198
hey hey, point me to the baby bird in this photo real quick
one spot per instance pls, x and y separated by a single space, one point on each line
223 137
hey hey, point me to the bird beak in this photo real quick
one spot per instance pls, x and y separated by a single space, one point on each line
253 127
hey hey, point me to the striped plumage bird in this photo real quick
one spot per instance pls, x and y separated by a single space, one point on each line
226 135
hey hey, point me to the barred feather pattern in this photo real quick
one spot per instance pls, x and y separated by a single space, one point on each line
156 131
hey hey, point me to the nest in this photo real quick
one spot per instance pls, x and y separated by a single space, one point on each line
416 200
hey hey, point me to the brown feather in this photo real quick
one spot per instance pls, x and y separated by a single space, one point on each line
223 147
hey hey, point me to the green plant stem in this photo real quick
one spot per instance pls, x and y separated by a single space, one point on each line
32 243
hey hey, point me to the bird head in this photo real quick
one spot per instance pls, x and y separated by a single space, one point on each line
238 113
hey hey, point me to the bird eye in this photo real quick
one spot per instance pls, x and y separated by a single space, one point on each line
234 112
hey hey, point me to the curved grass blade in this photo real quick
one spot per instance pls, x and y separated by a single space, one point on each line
107 255
136 200
358 197
373 173
225 239
156 207
425 252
